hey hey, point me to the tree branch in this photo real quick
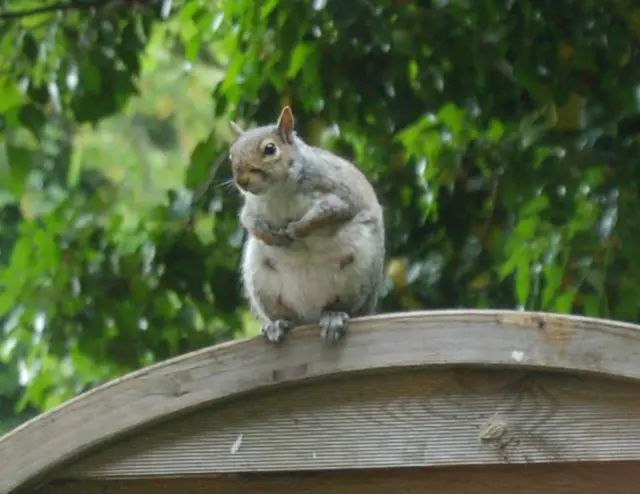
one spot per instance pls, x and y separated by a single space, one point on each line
55 7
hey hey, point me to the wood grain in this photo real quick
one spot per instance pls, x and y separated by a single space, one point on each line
582 478
497 338
400 419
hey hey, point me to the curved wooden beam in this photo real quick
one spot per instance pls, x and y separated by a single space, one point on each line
457 337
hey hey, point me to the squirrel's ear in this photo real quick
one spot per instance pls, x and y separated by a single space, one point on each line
237 130
285 124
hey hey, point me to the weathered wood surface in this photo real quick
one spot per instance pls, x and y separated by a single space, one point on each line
432 417
388 341
577 478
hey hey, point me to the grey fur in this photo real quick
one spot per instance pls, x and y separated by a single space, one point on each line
306 189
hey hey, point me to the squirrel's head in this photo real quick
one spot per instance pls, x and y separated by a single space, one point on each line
261 157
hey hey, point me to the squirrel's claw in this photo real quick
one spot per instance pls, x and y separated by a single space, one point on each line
333 325
284 239
291 230
275 331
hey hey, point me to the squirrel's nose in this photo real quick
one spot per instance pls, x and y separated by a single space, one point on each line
242 180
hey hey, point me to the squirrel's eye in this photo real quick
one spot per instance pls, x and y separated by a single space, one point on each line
270 149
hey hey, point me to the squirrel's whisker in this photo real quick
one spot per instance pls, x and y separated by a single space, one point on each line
225 184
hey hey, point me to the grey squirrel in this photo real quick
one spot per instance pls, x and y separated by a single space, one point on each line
316 239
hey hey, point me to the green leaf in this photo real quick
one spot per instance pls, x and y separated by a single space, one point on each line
130 47
193 47
10 96
30 47
21 257
299 57
526 227
535 206
507 267
552 278
591 305
202 159
32 118
564 301
8 380
523 281
90 77
46 248
20 165
453 116
234 69
495 131
268 7
413 71
188 30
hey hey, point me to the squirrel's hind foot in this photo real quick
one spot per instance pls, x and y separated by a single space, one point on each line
275 331
333 325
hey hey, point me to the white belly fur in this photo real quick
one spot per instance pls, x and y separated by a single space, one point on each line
309 277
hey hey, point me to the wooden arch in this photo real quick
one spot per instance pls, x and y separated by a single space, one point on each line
428 341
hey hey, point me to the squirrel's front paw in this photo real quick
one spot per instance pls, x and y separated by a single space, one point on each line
275 331
283 238
333 325
289 231
297 229
270 235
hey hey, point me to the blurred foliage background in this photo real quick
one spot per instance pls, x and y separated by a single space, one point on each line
503 138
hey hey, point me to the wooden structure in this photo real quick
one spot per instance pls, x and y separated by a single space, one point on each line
446 402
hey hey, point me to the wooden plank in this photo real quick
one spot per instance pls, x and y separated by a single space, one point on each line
388 341
402 419
580 478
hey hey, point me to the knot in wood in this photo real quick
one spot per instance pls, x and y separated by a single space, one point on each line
494 429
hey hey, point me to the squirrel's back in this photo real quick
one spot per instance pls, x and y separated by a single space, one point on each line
325 171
